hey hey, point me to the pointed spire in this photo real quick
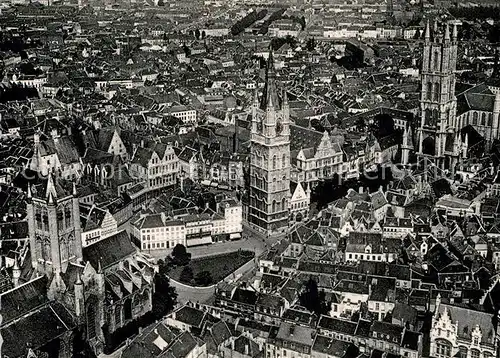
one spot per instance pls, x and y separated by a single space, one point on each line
285 97
405 137
270 104
51 187
270 62
78 279
16 262
455 32
30 195
74 190
50 199
427 31
99 267
447 32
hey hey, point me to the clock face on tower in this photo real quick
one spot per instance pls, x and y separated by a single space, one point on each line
279 127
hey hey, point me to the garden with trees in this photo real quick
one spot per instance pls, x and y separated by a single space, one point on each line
247 21
204 271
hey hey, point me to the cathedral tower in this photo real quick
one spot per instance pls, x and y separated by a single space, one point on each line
270 157
54 227
438 123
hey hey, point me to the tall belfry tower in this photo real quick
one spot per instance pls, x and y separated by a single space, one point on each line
438 123
54 227
270 157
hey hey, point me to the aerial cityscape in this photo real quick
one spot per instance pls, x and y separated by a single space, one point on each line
249 179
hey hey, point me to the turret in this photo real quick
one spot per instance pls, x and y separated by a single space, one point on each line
16 272
77 225
447 33
496 117
456 145
405 147
79 297
427 34
465 146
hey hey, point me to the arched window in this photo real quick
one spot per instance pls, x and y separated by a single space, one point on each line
273 207
436 61
463 351
118 316
428 117
443 348
490 119
487 354
67 216
475 118
91 312
435 117
283 203
274 161
283 161
483 119
474 353
437 92
127 309
429 91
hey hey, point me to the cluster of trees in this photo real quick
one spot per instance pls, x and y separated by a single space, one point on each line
311 44
475 13
202 278
180 256
247 21
273 17
300 20
336 187
17 93
277 42
313 299
199 34
165 296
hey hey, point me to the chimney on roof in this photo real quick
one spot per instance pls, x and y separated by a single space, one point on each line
247 349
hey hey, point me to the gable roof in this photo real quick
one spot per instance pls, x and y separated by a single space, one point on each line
109 251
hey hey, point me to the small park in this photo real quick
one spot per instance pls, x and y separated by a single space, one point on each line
204 271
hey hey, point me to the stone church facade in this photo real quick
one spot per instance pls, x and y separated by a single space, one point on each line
95 290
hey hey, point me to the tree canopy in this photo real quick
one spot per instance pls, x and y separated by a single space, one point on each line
204 278
180 256
313 299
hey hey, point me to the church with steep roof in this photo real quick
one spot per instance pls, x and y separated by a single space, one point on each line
60 289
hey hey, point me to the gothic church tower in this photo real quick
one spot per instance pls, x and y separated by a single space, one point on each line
54 228
438 127
270 157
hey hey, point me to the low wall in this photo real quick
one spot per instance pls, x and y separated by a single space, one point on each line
187 293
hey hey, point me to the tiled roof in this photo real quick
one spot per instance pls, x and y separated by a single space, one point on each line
109 251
